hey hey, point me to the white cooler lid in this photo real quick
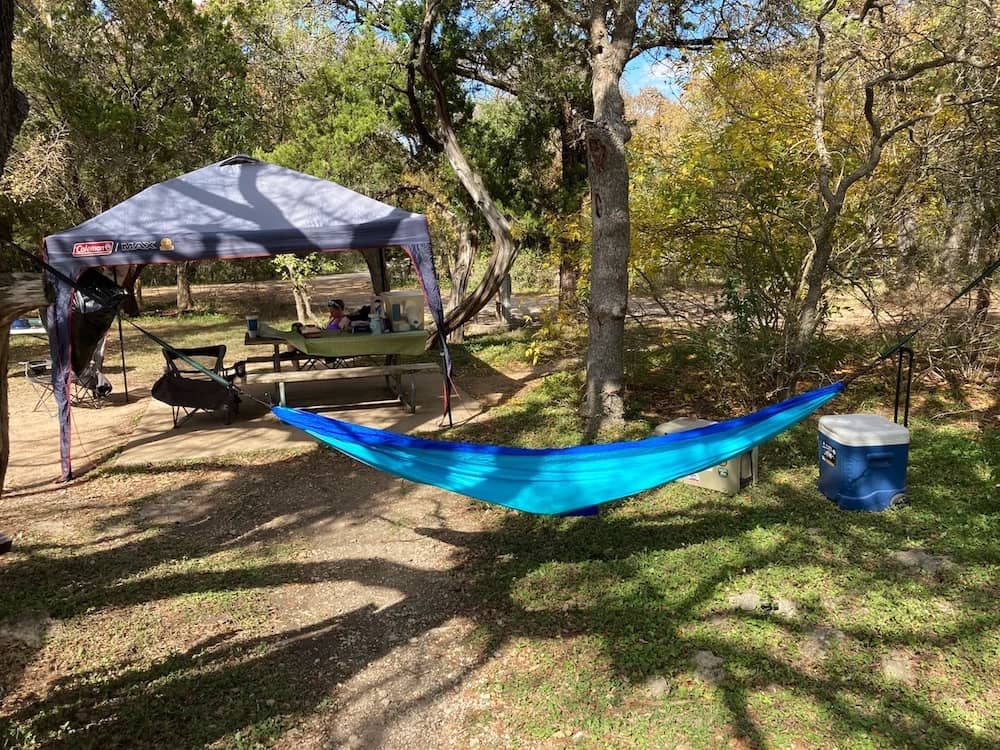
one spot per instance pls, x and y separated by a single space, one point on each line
681 424
863 429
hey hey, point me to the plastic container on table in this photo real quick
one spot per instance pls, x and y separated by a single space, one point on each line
404 309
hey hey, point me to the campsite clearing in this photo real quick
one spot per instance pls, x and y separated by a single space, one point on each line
276 594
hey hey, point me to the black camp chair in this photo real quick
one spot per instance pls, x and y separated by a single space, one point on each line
188 390
91 387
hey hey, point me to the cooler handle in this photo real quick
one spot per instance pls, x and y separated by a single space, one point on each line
881 457
908 352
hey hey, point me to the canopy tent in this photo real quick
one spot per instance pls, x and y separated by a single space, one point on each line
237 208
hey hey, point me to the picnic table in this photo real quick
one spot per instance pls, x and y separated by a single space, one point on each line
325 356
30 327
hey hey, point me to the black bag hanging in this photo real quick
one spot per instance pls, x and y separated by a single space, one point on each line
96 302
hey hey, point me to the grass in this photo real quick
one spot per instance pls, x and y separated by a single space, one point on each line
604 618
162 616
607 605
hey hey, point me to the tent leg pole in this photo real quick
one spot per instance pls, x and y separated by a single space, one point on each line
121 345
121 341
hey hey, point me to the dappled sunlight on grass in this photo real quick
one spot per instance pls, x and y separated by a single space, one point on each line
547 415
651 583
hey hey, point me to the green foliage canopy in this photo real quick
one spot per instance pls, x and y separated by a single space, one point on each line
122 94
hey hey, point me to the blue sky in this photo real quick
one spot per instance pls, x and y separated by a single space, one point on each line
666 74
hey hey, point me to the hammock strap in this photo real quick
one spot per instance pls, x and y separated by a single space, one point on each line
196 365
985 274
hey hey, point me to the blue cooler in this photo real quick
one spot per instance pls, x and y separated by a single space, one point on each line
862 460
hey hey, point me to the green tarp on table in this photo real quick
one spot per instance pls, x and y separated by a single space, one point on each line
345 344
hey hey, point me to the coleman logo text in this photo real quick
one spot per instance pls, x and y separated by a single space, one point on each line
93 248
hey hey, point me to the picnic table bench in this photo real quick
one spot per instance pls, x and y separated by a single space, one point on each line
393 374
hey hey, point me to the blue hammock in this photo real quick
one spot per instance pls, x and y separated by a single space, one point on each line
557 480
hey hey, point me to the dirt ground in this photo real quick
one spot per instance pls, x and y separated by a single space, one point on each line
369 621
372 629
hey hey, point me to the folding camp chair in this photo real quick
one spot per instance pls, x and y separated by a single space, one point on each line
314 362
38 372
188 390
89 388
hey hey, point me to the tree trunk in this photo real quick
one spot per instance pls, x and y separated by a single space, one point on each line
303 307
504 314
984 297
573 179
460 270
504 247
300 307
184 272
13 104
4 401
606 137
19 293
608 281
804 320
963 242
906 246
569 273
377 270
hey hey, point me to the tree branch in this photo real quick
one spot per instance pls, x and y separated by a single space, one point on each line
504 247
474 72
819 107
672 41
411 96
560 9
914 70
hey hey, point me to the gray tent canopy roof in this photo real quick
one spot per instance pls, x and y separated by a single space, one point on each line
237 208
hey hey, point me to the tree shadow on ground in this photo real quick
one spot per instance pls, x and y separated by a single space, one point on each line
218 687
159 546
645 636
